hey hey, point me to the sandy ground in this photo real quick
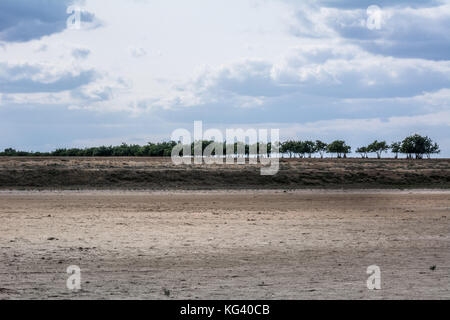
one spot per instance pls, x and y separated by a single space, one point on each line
225 244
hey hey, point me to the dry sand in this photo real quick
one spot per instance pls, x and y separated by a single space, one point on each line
225 244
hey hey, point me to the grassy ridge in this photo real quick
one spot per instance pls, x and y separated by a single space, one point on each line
161 174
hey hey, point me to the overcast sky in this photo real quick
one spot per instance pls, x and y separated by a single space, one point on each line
138 69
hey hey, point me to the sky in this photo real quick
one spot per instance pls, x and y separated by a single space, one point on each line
135 70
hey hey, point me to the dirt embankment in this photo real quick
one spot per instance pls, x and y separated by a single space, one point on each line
162 174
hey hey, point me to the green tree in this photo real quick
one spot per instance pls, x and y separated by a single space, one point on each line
378 147
395 148
363 152
418 145
321 147
309 147
340 148
288 147
10 152
432 148
299 149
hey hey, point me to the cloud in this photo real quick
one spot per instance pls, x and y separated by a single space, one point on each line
375 125
309 67
333 72
352 4
361 131
138 52
245 78
80 53
24 20
26 78
411 33
406 32
102 90
27 125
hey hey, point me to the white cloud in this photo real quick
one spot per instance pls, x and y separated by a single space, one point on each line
410 32
341 72
34 78
374 125
138 52
243 60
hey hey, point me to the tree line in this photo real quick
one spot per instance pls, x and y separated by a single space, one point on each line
414 146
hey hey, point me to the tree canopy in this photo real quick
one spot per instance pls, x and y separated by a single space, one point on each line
414 146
